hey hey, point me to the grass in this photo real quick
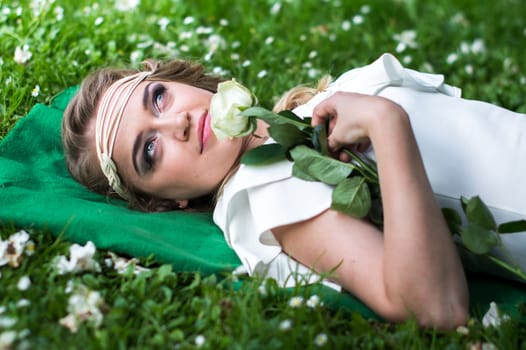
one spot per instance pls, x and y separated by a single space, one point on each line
269 46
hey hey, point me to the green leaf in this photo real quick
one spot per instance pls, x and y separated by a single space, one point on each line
265 154
287 135
297 172
274 118
323 168
293 116
478 213
453 220
512 226
352 197
319 139
478 239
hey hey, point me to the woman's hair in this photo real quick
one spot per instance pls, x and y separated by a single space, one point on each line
79 122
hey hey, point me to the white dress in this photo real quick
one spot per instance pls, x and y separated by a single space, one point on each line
468 147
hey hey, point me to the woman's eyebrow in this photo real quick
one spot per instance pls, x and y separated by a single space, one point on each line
135 153
146 95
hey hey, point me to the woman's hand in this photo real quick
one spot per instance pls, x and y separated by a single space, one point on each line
352 118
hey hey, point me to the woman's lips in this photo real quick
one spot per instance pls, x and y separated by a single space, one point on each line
204 130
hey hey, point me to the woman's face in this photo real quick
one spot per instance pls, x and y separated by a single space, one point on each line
165 146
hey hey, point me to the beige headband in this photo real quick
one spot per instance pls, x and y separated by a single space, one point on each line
109 117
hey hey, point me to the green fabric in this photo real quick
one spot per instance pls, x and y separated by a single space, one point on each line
37 191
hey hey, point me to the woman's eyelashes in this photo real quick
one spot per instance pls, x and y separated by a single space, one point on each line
148 153
158 98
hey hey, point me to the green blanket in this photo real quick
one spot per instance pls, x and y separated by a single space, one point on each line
37 191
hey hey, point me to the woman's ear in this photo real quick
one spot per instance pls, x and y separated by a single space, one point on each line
182 203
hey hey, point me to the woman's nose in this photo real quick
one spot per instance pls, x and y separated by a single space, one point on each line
176 125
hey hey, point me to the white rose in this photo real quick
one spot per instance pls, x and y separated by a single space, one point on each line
225 108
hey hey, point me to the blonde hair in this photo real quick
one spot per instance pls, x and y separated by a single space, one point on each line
79 142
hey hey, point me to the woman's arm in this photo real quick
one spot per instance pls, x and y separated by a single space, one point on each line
413 268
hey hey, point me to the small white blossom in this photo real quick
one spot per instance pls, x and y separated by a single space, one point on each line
407 59
23 303
365 9
469 69
462 330
6 339
22 54
36 91
313 301
7 322
296 301
303 37
11 250
262 290
285 325
320 339
405 39
235 44
185 35
451 58
234 56
204 30
357 20
200 340
269 40
275 8
478 46
23 283
493 316
262 74
81 259
489 346
223 22
136 56
98 21
163 23
121 264
185 48
188 20
346 25
59 13
313 54
313 73
126 5
83 306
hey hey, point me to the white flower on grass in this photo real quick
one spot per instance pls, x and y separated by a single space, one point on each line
121 264
262 290
84 305
7 322
405 39
126 5
200 340
346 25
223 22
462 330
365 9
98 21
188 20
59 13
39 6
6 339
204 30
407 59
163 23
285 325
136 56
11 250
23 303
23 283
493 316
320 339
36 91
451 58
478 46
226 107
296 301
357 20
81 259
269 40
22 54
313 301
275 8
246 63
313 54
469 69
262 73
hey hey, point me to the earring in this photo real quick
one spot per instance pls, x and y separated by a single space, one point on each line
182 203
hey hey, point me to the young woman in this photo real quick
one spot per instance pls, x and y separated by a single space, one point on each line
146 137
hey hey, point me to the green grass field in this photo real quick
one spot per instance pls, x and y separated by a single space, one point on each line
270 46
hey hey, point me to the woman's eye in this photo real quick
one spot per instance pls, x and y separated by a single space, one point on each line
149 153
158 97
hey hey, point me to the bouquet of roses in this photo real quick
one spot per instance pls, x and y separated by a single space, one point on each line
356 185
